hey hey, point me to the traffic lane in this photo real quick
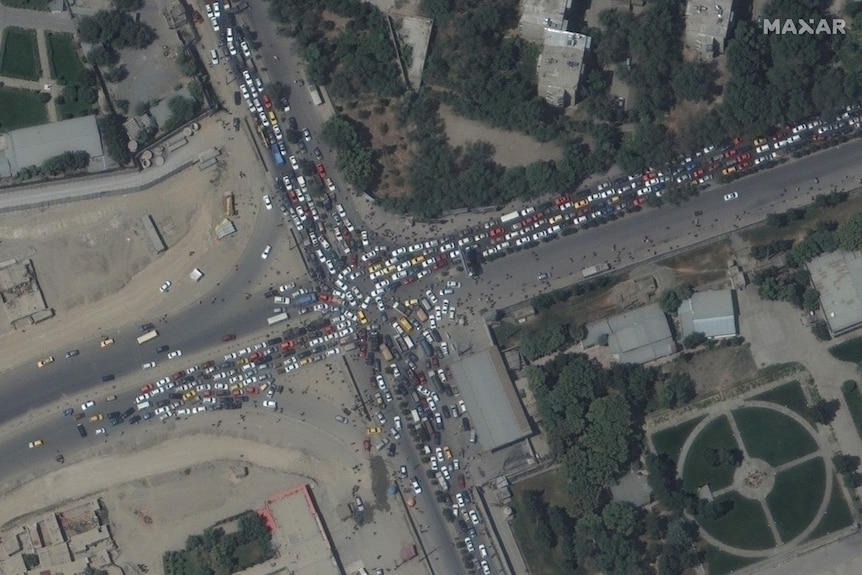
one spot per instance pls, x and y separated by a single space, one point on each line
193 330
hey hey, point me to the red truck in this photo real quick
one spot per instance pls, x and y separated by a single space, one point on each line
321 171
256 356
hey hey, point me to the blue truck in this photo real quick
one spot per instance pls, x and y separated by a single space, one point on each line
276 154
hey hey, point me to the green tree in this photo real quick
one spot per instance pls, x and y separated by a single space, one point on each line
116 138
694 339
677 390
621 517
823 411
102 55
850 234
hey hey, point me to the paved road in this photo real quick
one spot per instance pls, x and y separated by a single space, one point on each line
34 19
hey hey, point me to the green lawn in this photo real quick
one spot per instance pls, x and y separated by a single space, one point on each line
721 563
669 441
542 561
772 436
837 514
66 65
698 470
20 55
850 350
744 526
853 398
20 109
796 497
788 395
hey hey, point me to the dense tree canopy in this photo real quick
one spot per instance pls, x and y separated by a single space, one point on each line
116 29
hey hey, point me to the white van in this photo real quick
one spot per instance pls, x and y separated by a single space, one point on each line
473 436
408 341
144 405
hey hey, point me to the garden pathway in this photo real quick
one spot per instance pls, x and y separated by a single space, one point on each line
777 335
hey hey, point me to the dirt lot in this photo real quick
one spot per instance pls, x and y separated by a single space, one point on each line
511 148
95 263
701 267
717 369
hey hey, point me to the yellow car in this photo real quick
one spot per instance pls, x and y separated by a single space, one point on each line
46 361
447 452
189 395
363 319
580 204
417 260
106 341
37 443
759 141
97 417
374 430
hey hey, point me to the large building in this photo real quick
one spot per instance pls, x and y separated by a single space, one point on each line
536 15
561 66
838 278
706 26
636 336
711 313
32 146
496 413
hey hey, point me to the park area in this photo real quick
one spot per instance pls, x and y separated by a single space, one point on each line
765 473
21 109
20 55
65 63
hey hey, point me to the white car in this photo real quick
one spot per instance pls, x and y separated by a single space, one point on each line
474 517
245 49
267 202
266 251
214 57
460 499
468 542
87 405
731 196
453 284
175 354
417 489
166 286
148 365
101 431
483 551
270 404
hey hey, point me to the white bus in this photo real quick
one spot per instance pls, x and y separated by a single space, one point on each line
277 318
150 335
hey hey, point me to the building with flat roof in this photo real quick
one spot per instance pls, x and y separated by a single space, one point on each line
32 146
838 278
711 313
637 336
536 15
561 66
706 26
496 413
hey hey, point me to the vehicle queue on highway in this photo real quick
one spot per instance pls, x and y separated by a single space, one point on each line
354 282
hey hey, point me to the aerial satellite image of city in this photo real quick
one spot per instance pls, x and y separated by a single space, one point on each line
430 287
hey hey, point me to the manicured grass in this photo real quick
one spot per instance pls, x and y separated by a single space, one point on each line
698 470
837 514
788 395
41 5
20 109
744 526
853 398
66 65
20 56
796 497
669 441
772 436
721 563
850 350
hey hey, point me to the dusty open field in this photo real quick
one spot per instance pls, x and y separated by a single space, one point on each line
511 148
96 265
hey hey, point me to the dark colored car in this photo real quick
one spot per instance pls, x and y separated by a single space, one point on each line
228 337
129 412
392 450
146 327
82 431
318 154
109 377
292 123
274 341
465 424
446 413
162 348
134 420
